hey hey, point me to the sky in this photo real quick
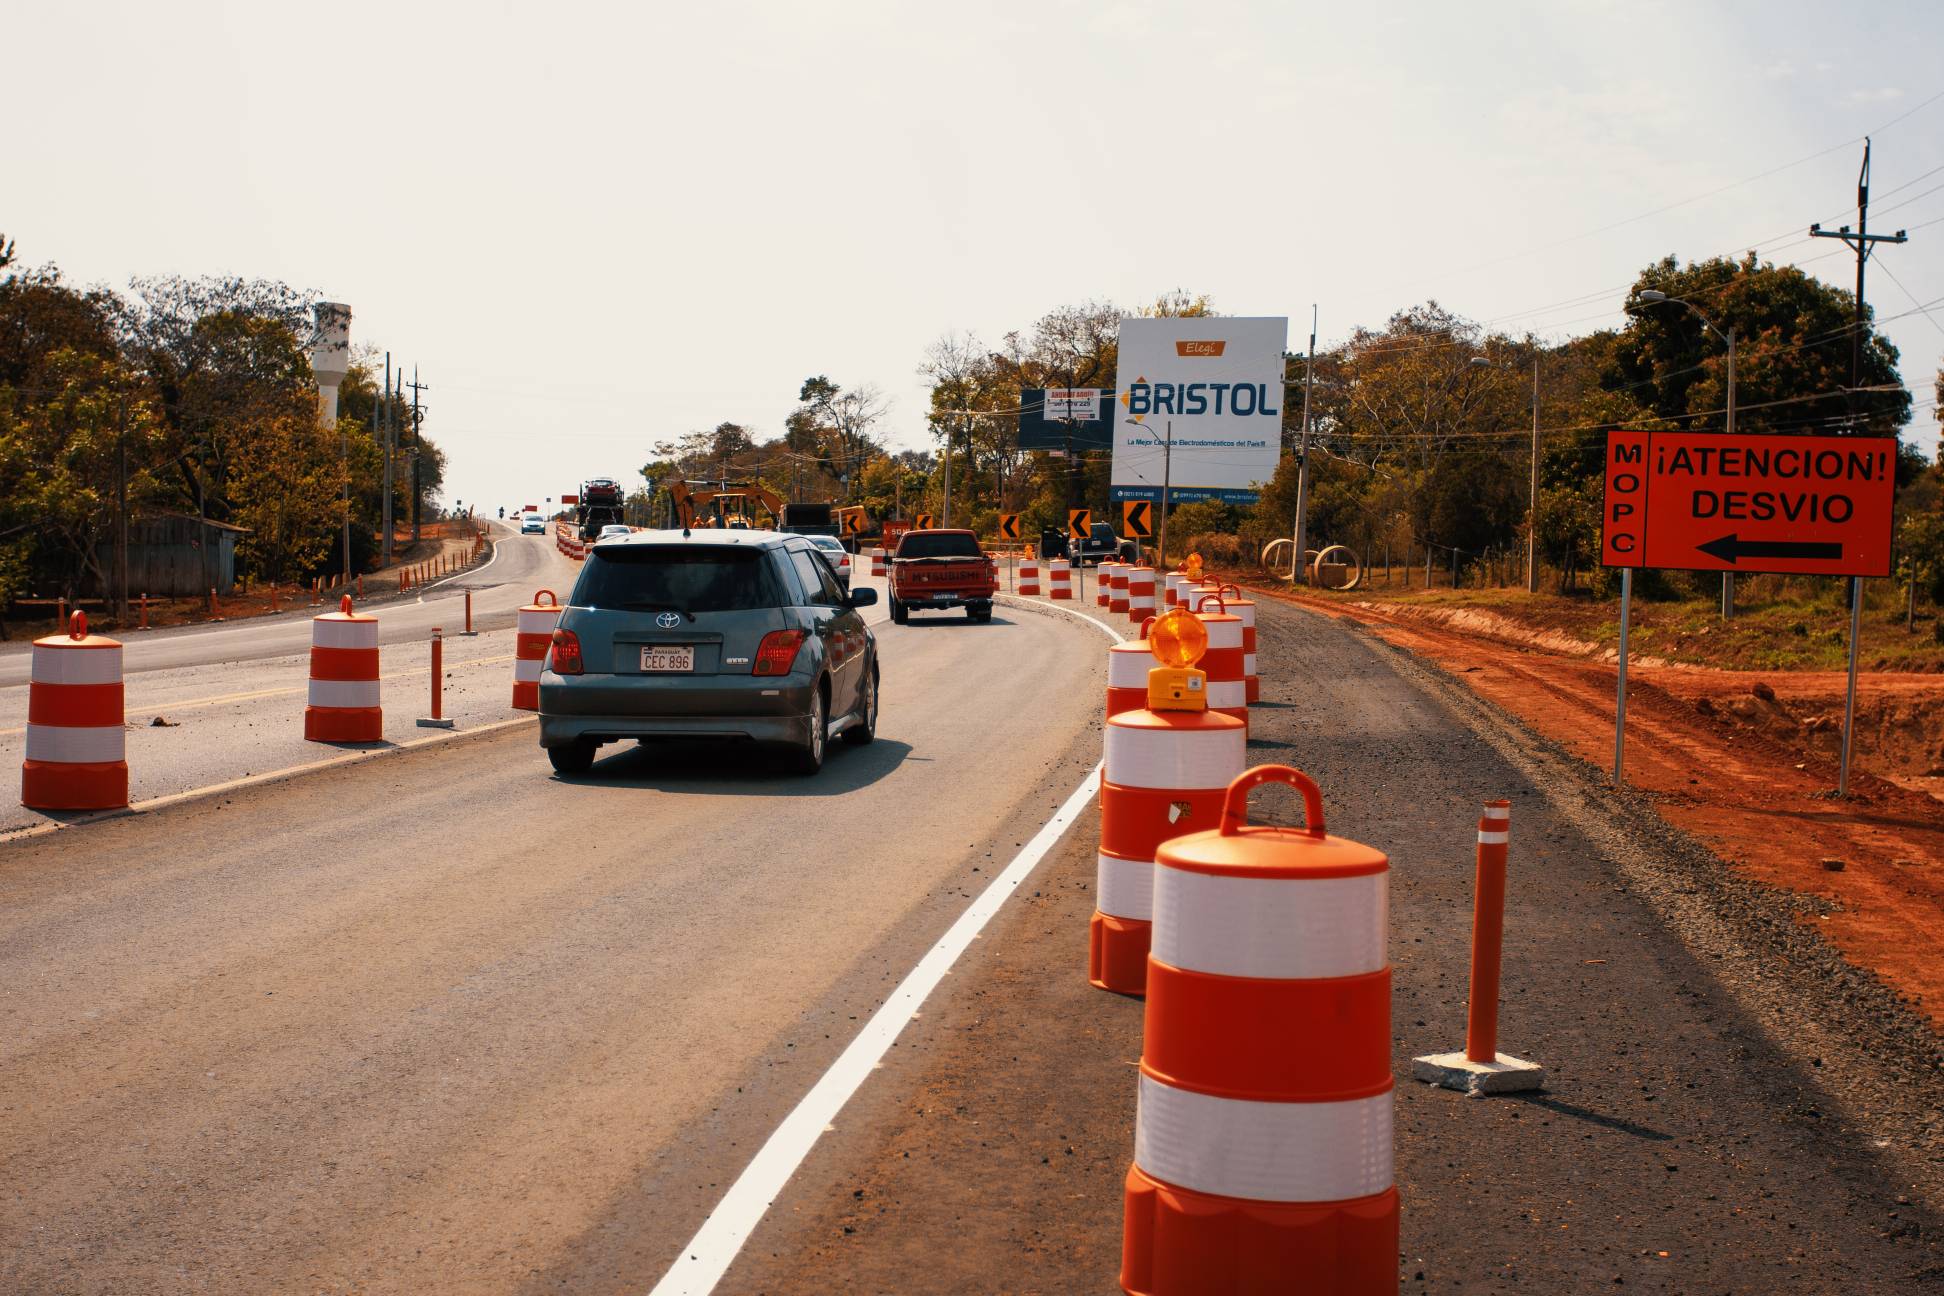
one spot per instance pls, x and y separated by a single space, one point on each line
592 227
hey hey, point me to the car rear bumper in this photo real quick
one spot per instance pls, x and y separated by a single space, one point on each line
945 599
615 707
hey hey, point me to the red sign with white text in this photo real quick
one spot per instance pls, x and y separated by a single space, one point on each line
1705 501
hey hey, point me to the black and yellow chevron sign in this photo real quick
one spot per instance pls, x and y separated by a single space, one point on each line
1009 526
1137 518
1079 523
853 524
922 522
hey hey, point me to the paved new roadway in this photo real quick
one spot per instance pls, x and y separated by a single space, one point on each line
444 1021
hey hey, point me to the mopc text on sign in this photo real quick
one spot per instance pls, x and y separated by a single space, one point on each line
1702 501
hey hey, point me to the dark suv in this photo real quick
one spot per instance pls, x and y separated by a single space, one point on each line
714 634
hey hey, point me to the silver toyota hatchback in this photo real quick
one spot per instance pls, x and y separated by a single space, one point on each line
709 634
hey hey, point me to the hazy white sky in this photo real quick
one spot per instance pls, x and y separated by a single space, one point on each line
592 226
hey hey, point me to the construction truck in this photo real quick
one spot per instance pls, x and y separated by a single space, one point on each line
600 504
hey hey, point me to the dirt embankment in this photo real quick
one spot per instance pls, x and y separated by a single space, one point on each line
1746 763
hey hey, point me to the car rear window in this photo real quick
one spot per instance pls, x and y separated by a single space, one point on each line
712 578
923 544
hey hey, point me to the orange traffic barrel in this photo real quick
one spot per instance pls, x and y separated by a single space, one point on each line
1029 576
1117 589
877 562
77 753
531 637
344 678
1103 596
1128 665
1140 594
1177 584
1059 579
1227 685
1262 1134
1163 774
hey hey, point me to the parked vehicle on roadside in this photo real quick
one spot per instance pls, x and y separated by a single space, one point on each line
1101 545
942 569
716 633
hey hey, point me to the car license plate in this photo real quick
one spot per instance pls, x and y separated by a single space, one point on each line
668 657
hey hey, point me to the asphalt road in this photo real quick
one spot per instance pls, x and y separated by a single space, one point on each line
1728 1109
444 1021
520 564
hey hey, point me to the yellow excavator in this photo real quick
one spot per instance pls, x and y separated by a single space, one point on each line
734 505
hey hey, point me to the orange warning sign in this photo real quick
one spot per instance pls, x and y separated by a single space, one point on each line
1704 501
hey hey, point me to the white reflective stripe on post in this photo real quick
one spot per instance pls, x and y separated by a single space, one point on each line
1178 759
344 634
1244 610
1128 665
1124 888
1228 694
1270 928
1248 663
1494 838
344 693
1264 1151
541 623
526 670
52 665
69 745
1497 812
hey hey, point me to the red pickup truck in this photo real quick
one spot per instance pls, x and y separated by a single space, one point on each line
942 569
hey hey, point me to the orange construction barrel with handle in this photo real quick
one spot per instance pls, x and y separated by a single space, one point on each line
1059 579
1117 589
1164 769
531 637
1028 576
1262 1134
1103 591
1227 686
343 704
77 754
1140 594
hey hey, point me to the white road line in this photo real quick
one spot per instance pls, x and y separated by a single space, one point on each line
716 1244
708 1255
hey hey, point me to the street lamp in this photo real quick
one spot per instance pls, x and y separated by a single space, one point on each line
1655 297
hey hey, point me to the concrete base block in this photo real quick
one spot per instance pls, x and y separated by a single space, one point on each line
1479 1079
427 722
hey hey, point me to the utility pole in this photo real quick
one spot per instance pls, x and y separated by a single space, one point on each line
1300 540
387 427
417 415
121 516
1532 507
1862 242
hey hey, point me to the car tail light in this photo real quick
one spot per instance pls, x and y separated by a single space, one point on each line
777 654
565 656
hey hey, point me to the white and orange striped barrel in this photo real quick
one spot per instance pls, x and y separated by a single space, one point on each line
1178 583
1059 579
1140 594
531 637
1262 1135
877 562
1117 589
1029 576
1163 774
1104 576
1223 662
1234 603
77 752
344 705
1128 665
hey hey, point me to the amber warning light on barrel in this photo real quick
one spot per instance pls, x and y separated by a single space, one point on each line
1178 640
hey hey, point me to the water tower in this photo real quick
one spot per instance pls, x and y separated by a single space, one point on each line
330 356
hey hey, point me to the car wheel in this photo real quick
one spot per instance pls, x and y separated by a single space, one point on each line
808 759
900 614
865 729
576 757
978 611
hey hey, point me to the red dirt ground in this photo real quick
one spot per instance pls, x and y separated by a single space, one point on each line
1750 773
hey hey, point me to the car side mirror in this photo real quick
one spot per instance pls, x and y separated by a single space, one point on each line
862 596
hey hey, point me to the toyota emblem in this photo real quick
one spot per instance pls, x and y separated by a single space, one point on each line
668 620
